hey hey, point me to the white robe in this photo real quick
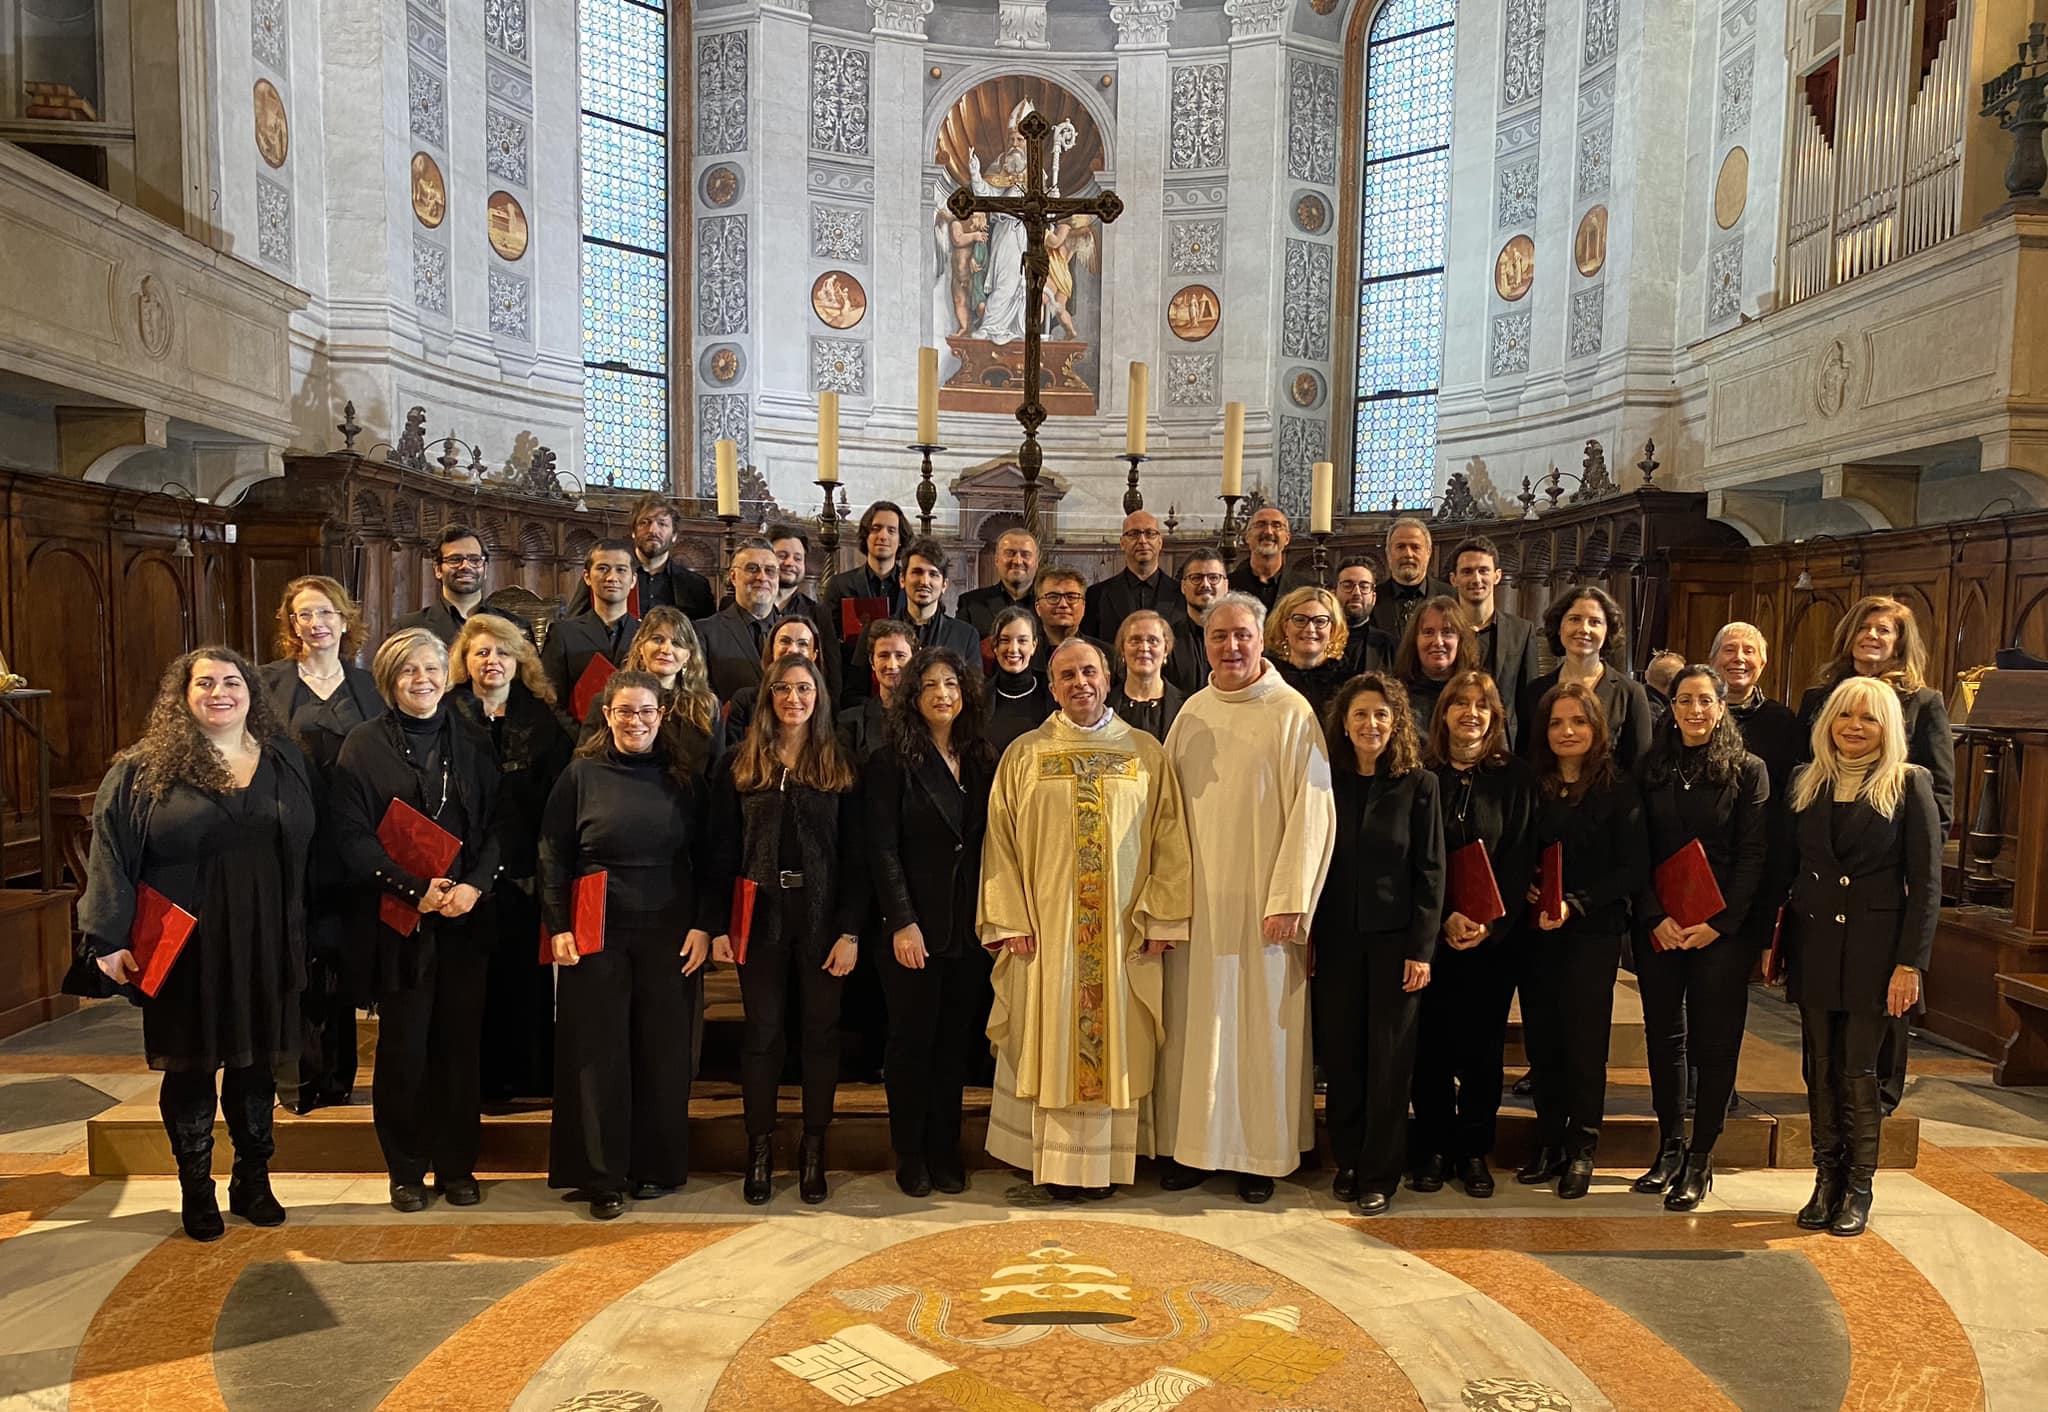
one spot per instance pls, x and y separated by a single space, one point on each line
1002 316
1236 1088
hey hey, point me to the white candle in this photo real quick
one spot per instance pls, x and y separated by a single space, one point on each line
928 397
1134 432
828 436
728 455
1233 448
1321 479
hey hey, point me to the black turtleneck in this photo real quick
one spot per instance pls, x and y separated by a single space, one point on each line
1018 703
1771 732
627 815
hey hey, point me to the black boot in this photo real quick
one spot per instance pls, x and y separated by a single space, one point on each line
1547 1163
1693 1183
1854 1214
188 1121
1576 1179
250 1197
760 1183
1664 1171
913 1175
1820 1208
810 1169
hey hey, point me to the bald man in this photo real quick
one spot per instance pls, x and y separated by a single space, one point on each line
1142 583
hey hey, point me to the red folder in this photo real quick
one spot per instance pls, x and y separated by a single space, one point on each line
157 936
1686 888
1474 893
633 598
1774 959
1550 882
586 918
742 920
856 613
420 846
596 673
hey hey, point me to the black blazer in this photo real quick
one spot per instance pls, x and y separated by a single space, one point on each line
1269 591
322 727
1386 884
1772 733
1606 859
439 619
979 606
1367 649
1124 593
745 832
1187 666
1396 604
1930 743
859 728
1620 696
1318 684
571 643
1507 650
1493 804
924 844
531 750
1866 899
860 581
674 583
731 655
1731 822
944 630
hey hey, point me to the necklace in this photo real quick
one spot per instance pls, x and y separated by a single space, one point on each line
1017 695
309 677
1688 781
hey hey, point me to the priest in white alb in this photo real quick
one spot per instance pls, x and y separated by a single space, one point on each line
1084 884
1236 1090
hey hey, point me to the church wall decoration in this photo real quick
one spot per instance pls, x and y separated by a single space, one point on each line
273 223
1305 388
268 33
1724 282
1514 268
1596 147
429 274
426 79
1589 245
1193 312
510 303
505 26
839 233
1522 53
426 104
1734 94
1196 132
270 124
1738 85
505 146
1588 313
273 129
722 275
1731 188
839 365
721 184
429 191
510 307
1303 441
507 225
722 77
1194 247
1515 195
1312 99
1592 151
840 88
839 299
1308 294
1510 344
1311 212
1191 379
723 364
721 416
1601 32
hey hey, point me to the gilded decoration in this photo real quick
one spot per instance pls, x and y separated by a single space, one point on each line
273 128
429 191
1589 246
838 299
1095 925
1731 188
508 231
1514 269
1193 312
1311 212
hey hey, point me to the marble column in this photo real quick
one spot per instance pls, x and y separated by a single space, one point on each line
1145 88
779 226
1254 243
898 220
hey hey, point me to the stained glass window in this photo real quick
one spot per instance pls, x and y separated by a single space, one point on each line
1401 252
624 95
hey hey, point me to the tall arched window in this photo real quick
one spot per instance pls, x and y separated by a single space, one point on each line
625 243
1401 251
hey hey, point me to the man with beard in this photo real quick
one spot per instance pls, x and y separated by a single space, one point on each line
459 559
1016 567
1409 582
735 636
1202 581
1141 584
1507 644
1265 575
1366 648
792 552
659 578
924 595
871 589
1060 596
605 630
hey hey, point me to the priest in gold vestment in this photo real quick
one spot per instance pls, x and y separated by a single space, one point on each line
1084 883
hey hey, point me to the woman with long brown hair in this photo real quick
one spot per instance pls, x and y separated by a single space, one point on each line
794 636
212 811
787 820
667 648
1585 630
1592 813
1437 645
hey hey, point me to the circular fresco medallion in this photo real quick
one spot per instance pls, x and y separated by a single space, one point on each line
429 191
1731 188
722 364
1311 212
1306 388
1193 312
721 185
838 299
508 225
273 129
1514 269
1589 246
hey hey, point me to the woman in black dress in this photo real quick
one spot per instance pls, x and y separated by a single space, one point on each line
1859 929
1018 698
667 648
429 980
1375 933
1143 697
793 637
501 691
212 809
1305 638
1591 810
320 695
926 795
1437 645
631 805
786 818
1698 783
1584 627
1488 797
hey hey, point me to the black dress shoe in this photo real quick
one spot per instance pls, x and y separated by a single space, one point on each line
250 1197
1548 1162
199 1211
760 1182
653 1191
1854 1214
408 1196
1577 1179
1345 1187
810 1169
1428 1174
1820 1209
608 1205
1373 1203
1665 1170
1175 1177
1253 1189
1476 1177
1097 1193
460 1191
1060 1191
913 1177
1693 1183
948 1175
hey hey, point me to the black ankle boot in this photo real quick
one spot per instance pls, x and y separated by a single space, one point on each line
1664 1171
1576 1179
1820 1208
913 1175
1693 1183
760 1183
250 1197
1547 1163
1854 1213
200 1210
810 1169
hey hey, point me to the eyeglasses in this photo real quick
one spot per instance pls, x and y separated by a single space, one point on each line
1141 534
635 713
309 616
1210 579
793 690
456 561
1310 622
1063 598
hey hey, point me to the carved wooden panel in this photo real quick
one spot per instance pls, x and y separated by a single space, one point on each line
151 621
62 646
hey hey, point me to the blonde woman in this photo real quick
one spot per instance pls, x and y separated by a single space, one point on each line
1859 929
1305 638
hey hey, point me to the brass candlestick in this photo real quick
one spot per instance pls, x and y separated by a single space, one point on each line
1226 538
728 539
927 493
828 530
1134 498
1319 557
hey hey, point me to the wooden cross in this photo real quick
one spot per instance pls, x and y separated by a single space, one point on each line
1035 209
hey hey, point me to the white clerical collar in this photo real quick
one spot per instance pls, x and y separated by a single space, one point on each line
1107 716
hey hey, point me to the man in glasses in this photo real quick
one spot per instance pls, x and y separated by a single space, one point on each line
1202 582
605 630
1264 574
1061 598
736 635
1366 648
660 579
459 559
1141 584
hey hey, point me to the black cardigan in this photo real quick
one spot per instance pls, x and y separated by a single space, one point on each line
1606 858
532 750
626 815
746 832
1493 804
1930 743
1146 714
1386 883
1621 697
1732 823
924 836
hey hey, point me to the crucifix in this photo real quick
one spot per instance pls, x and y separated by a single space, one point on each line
1035 208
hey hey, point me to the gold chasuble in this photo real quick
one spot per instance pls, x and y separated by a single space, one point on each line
1087 853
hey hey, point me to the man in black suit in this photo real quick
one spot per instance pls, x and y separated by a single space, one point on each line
735 636
878 575
1507 644
1409 583
606 629
1060 596
459 559
1264 573
1142 582
1366 648
1202 582
792 556
1016 567
924 594
659 578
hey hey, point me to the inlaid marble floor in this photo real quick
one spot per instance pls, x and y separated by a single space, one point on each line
1001 1299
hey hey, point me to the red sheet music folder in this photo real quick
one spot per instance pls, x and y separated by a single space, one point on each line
1686 888
856 613
1774 958
157 936
1550 884
742 920
420 846
1474 893
596 673
586 918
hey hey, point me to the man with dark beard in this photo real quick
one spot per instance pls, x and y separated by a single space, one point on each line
659 578
459 559
1264 574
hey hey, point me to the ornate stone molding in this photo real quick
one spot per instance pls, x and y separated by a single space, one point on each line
1196 119
1020 24
1250 19
901 18
1143 24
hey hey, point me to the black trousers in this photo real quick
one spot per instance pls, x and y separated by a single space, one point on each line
1461 1034
519 1000
327 1028
628 1017
186 1101
1365 1030
425 1099
1840 1052
935 1016
1891 1062
1694 1005
1567 1010
764 993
